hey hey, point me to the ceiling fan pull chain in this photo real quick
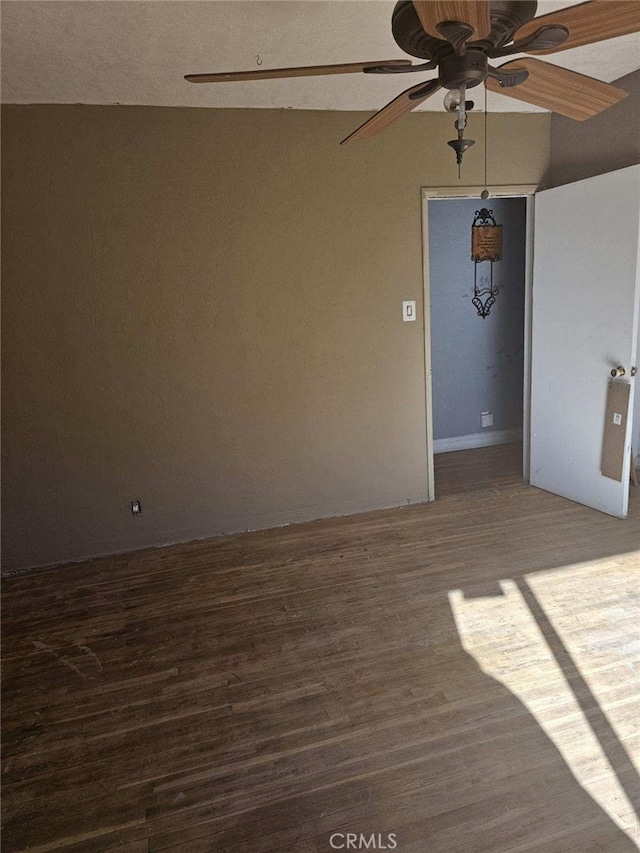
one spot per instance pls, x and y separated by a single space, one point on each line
485 192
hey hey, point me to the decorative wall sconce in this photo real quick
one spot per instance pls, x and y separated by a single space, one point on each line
486 245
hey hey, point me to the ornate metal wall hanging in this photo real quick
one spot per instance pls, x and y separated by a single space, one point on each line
486 245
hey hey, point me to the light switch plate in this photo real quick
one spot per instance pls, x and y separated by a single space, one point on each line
409 311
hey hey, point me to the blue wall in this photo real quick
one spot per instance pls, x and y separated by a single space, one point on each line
477 364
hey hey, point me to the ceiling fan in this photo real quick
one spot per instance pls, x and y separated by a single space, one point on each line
459 37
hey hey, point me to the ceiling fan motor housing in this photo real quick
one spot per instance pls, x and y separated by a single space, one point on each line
507 16
469 70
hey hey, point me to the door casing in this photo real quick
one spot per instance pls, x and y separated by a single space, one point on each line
429 194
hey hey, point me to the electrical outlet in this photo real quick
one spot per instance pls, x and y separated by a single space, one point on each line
136 507
486 419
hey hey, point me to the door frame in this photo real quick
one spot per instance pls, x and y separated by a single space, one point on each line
497 191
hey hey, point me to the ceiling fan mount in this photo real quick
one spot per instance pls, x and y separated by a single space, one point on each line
506 17
458 38
460 61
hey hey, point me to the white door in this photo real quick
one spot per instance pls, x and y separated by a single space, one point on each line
584 323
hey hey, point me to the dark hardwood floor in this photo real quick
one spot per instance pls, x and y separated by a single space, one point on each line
457 677
482 468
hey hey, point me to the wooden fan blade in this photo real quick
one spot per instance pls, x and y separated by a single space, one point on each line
587 23
559 90
304 71
472 12
394 110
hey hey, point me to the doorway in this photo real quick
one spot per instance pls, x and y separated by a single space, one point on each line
477 367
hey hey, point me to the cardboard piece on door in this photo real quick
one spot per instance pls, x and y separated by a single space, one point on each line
615 430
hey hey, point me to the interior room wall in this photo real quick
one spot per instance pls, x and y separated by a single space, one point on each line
477 364
601 144
202 311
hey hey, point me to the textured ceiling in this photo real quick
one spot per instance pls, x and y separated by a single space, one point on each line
111 52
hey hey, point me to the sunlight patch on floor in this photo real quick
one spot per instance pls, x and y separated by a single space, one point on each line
557 634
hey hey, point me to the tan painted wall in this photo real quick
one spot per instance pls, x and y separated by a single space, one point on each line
202 310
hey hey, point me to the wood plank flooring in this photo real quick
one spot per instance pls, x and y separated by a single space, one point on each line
457 677
475 470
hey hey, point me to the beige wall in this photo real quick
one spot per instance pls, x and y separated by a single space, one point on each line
202 310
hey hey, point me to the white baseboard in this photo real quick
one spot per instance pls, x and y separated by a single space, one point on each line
478 439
